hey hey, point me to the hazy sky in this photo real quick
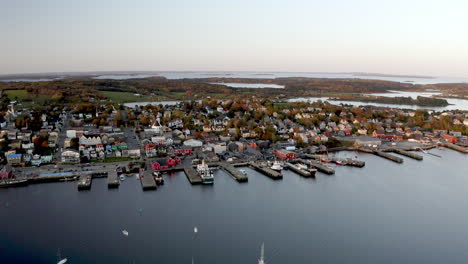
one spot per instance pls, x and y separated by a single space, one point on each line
399 37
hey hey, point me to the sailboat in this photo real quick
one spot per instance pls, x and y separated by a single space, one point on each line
60 259
262 255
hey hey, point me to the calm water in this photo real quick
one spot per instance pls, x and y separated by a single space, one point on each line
414 212
252 85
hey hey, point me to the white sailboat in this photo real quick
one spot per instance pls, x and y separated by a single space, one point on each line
60 259
262 255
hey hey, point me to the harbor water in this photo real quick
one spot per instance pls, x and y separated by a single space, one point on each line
415 212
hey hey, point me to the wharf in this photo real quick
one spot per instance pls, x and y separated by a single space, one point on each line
84 182
147 181
456 147
235 173
267 171
318 166
298 170
348 161
113 180
192 175
408 154
388 156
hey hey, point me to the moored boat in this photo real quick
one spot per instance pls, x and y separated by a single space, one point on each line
205 173
277 166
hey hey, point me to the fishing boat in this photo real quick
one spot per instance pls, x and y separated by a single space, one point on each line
303 166
276 166
125 232
13 183
205 173
158 178
340 162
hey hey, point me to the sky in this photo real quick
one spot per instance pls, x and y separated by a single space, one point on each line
421 37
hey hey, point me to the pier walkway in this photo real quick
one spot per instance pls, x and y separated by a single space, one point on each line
275 175
234 172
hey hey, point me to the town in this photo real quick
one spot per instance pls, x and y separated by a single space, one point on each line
104 139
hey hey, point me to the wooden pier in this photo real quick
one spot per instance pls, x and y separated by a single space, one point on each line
347 161
388 156
320 167
84 182
147 181
267 171
298 170
113 180
408 154
192 175
234 172
456 147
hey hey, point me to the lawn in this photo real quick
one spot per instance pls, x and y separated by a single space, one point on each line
17 94
124 97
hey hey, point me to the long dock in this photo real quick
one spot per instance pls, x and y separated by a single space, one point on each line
113 180
84 182
235 173
388 156
267 171
348 161
147 181
192 175
298 170
456 147
408 154
318 166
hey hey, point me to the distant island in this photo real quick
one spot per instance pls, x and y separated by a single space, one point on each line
420 100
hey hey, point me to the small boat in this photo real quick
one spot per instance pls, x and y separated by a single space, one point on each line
195 230
340 162
158 178
325 160
60 260
261 260
122 178
243 172
125 232
276 166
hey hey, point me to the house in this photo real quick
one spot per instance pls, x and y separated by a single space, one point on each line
14 159
193 143
284 154
183 151
70 156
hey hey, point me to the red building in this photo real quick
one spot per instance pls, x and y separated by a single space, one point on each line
285 154
183 151
450 138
